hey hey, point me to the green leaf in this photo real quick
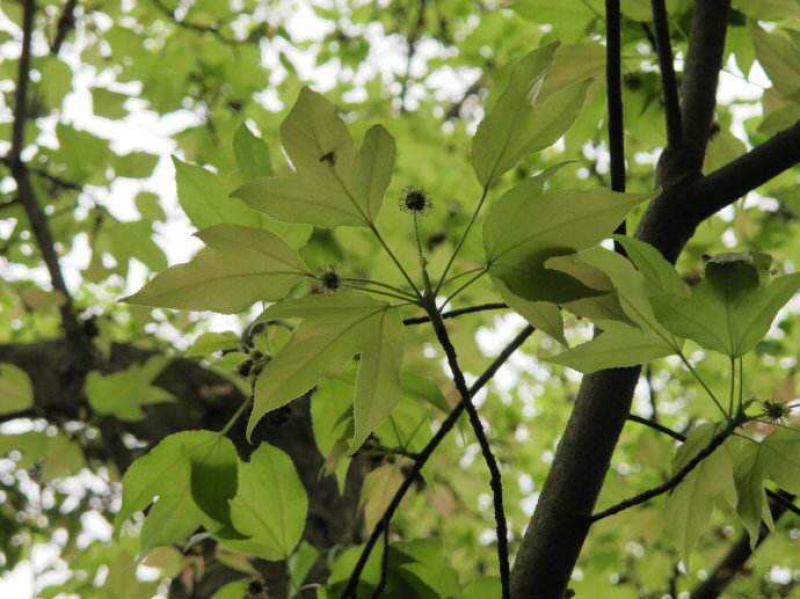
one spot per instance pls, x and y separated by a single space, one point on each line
483 587
728 311
545 316
166 472
632 289
518 125
241 266
378 388
618 346
780 57
333 331
108 104
16 389
749 474
377 492
689 506
295 199
135 165
517 244
490 146
209 343
317 140
781 457
204 197
270 505
373 170
123 394
252 154
659 274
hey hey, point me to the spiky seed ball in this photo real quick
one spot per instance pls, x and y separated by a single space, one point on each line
415 199
330 280
774 410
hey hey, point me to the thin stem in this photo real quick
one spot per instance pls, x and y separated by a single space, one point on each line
463 238
657 426
733 386
459 312
391 254
405 298
461 275
461 288
397 290
239 411
741 381
477 426
384 566
374 229
703 384
673 482
447 425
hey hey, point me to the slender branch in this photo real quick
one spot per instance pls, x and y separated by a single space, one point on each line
425 454
616 126
66 22
669 83
673 482
477 426
459 312
384 566
36 216
657 426
201 28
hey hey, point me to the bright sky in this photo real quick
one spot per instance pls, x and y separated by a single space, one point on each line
144 130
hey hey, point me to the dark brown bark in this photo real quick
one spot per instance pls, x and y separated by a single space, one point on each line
558 528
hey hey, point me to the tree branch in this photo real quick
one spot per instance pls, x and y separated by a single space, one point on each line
669 84
700 77
425 454
201 28
477 427
616 128
34 212
673 482
459 312
66 22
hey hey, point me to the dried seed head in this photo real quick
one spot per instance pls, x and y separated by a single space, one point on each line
330 279
415 199
775 410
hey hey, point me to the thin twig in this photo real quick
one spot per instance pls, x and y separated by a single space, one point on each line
66 22
657 426
201 28
669 83
673 482
460 312
477 426
616 127
384 566
425 454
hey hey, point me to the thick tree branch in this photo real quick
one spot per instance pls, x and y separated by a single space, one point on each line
669 83
446 426
701 76
560 523
677 478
